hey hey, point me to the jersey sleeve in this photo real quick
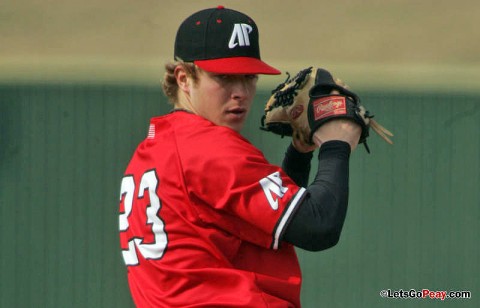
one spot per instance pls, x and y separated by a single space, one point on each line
233 187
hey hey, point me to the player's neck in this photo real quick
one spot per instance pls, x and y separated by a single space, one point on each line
183 103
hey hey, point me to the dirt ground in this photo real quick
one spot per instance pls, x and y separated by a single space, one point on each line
397 43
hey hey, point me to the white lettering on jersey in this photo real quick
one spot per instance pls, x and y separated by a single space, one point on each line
272 185
240 34
149 182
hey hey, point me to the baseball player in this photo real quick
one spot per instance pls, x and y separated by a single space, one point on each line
205 220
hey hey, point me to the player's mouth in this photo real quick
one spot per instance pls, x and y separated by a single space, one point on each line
237 113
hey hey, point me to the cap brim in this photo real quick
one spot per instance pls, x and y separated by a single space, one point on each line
237 65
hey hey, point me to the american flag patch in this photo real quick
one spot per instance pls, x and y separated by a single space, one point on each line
151 131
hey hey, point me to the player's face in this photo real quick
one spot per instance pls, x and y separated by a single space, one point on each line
223 99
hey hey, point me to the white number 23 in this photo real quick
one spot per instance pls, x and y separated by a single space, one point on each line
156 249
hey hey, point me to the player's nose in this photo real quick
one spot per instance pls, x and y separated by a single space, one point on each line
242 88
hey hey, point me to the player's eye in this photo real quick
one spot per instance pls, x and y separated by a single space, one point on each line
226 78
222 77
251 77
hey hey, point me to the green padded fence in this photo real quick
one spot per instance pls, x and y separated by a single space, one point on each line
413 219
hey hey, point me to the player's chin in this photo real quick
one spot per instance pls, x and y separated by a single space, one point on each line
235 121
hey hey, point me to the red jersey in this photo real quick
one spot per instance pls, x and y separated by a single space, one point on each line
202 215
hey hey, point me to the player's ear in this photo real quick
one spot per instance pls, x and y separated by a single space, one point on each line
183 80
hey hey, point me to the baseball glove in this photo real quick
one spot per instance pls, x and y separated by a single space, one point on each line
300 105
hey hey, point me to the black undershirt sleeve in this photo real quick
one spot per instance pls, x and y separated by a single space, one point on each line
319 219
297 165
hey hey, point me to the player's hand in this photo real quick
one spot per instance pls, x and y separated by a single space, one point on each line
338 129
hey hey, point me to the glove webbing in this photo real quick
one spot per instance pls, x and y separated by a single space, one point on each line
285 97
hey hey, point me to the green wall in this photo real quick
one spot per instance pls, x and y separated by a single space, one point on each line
413 220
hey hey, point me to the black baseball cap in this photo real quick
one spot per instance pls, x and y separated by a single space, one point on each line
222 41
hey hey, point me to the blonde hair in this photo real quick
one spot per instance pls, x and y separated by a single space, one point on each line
169 83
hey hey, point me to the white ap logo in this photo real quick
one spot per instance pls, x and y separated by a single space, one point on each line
240 36
272 185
